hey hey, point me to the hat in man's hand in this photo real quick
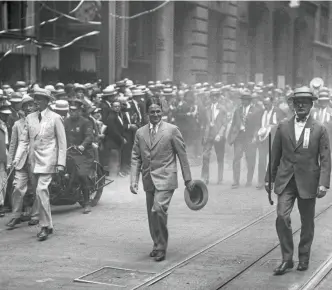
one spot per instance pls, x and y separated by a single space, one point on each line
198 197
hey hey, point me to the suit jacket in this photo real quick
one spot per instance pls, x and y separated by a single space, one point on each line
114 133
105 110
45 141
310 166
250 127
157 160
17 131
220 123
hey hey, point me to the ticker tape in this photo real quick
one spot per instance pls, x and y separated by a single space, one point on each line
76 19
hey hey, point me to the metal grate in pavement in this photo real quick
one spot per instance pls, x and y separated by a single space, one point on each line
116 277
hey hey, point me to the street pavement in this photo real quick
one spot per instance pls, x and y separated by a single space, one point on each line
116 234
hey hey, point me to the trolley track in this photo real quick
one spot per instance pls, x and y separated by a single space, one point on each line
258 259
169 270
219 285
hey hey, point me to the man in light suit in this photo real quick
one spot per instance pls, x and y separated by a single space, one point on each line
214 136
22 169
154 153
45 137
301 168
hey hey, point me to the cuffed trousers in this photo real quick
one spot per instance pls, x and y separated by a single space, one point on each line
3 180
283 223
157 203
43 199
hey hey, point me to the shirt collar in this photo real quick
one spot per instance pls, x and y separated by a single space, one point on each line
303 121
43 113
156 126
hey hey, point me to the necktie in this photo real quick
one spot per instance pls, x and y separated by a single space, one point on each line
39 117
244 116
153 133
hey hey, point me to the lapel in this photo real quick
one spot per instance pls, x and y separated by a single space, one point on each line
34 124
291 131
146 135
309 124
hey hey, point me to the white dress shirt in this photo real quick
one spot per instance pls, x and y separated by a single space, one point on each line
299 126
266 118
156 126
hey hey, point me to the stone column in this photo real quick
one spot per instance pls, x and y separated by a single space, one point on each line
164 42
229 51
107 49
30 21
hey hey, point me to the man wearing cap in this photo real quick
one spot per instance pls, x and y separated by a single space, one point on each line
214 136
45 138
156 147
241 135
301 168
79 133
23 173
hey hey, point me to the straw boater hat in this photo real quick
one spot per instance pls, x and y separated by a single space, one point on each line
198 197
324 94
303 92
60 93
26 99
59 86
60 105
50 88
245 94
109 91
42 92
20 84
16 97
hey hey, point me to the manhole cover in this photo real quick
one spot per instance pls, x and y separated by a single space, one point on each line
118 277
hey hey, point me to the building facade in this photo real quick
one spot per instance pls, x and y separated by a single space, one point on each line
190 41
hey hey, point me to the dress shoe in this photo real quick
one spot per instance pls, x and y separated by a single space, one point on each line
161 255
50 231
303 266
283 267
153 253
12 223
33 222
25 218
2 211
87 209
235 185
43 234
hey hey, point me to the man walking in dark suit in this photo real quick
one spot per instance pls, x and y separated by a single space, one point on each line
301 168
154 153
241 135
214 136
114 139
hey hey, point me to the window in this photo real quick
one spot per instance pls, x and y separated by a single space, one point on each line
324 24
12 15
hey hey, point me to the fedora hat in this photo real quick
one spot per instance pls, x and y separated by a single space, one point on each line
60 86
303 92
60 93
198 197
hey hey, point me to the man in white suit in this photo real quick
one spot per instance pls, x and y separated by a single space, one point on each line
45 137
154 153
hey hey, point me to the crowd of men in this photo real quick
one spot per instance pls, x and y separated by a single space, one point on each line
101 122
